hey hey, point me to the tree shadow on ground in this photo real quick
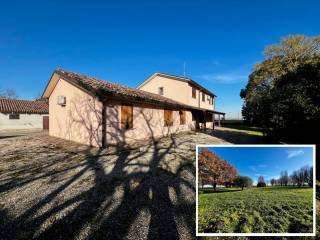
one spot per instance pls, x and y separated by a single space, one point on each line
128 198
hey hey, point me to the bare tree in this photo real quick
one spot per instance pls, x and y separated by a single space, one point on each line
273 182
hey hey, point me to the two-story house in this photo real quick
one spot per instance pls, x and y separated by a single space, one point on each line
186 91
99 113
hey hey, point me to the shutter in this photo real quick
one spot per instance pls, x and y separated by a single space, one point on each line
126 116
182 117
168 118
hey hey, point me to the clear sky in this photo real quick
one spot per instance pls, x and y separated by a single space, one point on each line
126 41
265 161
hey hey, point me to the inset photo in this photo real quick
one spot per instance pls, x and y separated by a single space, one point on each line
255 190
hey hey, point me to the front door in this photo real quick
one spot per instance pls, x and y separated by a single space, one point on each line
45 122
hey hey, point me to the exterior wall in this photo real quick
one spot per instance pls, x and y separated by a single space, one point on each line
148 122
26 121
177 90
197 102
174 89
79 120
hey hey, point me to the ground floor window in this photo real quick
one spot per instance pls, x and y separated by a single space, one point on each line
126 116
182 117
168 119
14 116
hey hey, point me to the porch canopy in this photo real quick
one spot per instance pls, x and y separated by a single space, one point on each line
203 116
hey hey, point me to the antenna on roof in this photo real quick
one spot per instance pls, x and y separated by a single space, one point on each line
184 69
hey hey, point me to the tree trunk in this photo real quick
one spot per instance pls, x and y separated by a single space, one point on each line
214 186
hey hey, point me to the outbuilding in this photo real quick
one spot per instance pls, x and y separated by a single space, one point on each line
23 114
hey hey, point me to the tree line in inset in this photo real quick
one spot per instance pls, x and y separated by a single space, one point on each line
300 177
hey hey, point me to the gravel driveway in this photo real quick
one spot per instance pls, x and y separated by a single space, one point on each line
55 189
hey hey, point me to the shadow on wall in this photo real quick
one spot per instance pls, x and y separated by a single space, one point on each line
130 195
148 125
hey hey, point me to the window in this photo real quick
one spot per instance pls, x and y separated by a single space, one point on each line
14 116
209 98
161 90
126 116
203 97
182 117
194 92
168 121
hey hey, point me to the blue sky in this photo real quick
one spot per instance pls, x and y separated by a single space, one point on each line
265 161
126 41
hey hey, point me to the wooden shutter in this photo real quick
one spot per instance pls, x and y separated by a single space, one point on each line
168 118
182 117
126 116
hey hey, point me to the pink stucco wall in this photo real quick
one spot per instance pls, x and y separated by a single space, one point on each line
79 120
148 122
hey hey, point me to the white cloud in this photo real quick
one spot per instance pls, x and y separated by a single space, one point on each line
262 165
225 78
253 168
294 153
259 174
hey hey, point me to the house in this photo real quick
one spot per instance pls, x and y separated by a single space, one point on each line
23 114
99 113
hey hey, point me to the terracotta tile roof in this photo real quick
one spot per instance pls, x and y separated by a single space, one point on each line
104 89
8 105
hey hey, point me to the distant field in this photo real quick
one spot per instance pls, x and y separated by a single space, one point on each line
251 130
256 210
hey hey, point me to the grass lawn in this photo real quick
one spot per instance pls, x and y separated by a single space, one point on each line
251 130
256 210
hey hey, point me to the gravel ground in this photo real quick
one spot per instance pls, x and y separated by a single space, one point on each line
55 189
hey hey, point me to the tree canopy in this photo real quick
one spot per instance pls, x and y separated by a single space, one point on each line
243 181
215 170
283 91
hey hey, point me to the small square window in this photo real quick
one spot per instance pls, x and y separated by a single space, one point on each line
161 91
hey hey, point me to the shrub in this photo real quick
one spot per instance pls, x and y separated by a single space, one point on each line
261 184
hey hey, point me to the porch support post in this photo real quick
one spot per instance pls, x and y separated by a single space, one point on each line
212 120
219 121
204 120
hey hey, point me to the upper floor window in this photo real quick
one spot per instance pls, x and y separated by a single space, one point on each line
160 90
203 97
194 93
168 120
182 117
211 100
126 116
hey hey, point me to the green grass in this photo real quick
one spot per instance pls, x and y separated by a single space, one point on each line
256 210
251 130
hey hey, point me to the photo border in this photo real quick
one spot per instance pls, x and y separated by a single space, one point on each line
259 234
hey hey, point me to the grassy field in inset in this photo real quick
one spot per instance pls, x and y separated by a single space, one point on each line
256 210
